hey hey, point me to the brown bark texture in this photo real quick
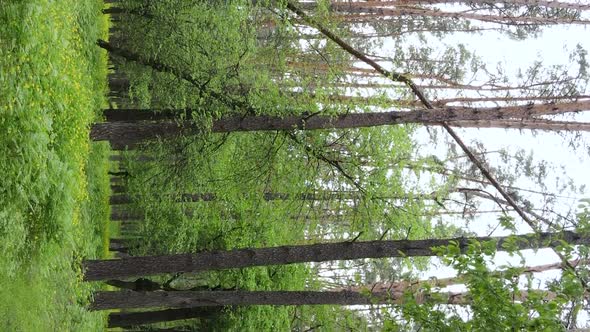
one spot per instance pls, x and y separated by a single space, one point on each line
193 299
190 299
371 14
240 258
120 199
127 128
343 5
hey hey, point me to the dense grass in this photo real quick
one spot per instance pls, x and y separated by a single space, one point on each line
54 188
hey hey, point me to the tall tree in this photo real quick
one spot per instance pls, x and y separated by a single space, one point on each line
114 300
130 133
204 261
483 3
187 299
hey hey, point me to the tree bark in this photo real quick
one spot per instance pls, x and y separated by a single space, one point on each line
377 14
450 113
192 299
341 5
189 299
128 319
128 128
267 196
239 258
131 115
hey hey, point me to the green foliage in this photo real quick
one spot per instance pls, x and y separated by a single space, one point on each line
236 171
245 60
507 222
496 300
239 73
51 83
235 71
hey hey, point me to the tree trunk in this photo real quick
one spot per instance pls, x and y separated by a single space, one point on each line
485 195
189 299
127 319
131 115
267 196
531 3
448 113
128 129
378 14
129 133
322 252
192 299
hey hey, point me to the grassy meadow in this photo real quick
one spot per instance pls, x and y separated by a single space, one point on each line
54 188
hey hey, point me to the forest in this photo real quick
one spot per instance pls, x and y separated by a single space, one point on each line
326 165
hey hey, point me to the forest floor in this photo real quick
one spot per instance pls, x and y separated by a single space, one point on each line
54 188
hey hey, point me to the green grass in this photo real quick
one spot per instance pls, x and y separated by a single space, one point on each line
54 189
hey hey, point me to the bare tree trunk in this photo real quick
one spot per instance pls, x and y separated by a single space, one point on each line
239 258
127 319
191 299
448 113
343 5
267 196
132 132
126 300
376 14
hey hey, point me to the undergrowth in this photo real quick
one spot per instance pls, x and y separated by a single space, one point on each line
53 191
